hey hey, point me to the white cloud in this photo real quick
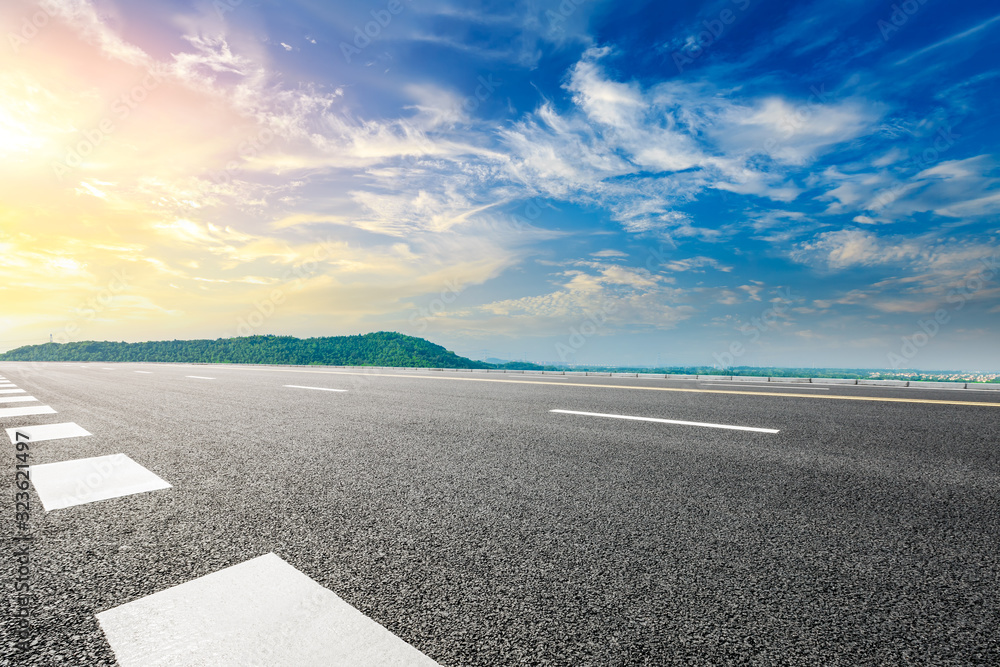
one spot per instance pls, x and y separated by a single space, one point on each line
853 247
695 264
616 297
645 152
792 133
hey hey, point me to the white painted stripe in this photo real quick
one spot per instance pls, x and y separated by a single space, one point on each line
765 386
48 432
24 412
198 377
108 369
147 372
11 391
295 386
668 421
80 481
260 612
17 399
626 387
7 385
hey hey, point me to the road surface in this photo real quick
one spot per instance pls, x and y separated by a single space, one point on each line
484 519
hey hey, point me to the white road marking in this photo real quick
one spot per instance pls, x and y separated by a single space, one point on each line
11 391
147 372
17 399
80 481
295 386
198 377
668 421
24 412
48 432
7 385
765 386
260 612
108 369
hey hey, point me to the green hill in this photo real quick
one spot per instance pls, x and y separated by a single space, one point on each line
384 348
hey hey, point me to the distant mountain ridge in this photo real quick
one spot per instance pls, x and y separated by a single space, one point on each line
383 348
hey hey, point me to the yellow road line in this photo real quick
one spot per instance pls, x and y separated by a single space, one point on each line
829 397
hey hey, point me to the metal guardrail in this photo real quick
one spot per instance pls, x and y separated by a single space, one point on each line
736 379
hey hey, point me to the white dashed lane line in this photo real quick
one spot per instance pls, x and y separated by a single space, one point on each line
260 612
295 386
17 399
80 481
668 421
24 412
146 372
198 377
48 432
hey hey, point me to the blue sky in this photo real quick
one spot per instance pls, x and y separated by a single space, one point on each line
723 183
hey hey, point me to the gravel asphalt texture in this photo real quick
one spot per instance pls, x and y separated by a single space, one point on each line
485 530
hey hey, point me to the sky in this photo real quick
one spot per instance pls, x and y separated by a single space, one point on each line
728 183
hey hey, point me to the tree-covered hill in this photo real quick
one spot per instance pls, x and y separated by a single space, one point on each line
384 348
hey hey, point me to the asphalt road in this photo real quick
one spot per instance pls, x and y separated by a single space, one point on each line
464 516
